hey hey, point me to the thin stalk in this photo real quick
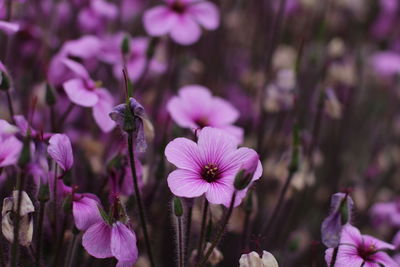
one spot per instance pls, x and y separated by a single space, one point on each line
15 245
10 106
202 229
188 230
71 250
66 113
55 200
2 260
334 256
52 119
221 231
180 242
246 223
61 239
138 198
39 231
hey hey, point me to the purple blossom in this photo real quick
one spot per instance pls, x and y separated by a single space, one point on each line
386 212
386 63
195 108
332 226
181 19
60 150
9 27
102 240
208 167
360 250
10 146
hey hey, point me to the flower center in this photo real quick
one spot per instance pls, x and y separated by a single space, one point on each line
210 172
178 7
201 122
366 251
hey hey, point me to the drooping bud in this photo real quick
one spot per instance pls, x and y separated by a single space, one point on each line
10 206
253 259
340 214
25 156
178 207
245 175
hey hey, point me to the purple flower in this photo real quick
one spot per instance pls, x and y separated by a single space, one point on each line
340 214
85 92
181 19
208 167
102 240
9 27
94 17
360 250
386 212
386 63
196 108
10 149
60 150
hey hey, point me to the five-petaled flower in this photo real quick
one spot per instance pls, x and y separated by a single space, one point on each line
208 167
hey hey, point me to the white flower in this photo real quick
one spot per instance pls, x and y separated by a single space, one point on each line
253 259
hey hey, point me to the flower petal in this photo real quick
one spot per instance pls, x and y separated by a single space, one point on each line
76 68
78 94
183 153
101 110
123 243
61 151
185 31
221 191
379 244
85 212
185 183
384 259
9 27
223 112
159 20
10 149
205 13
97 240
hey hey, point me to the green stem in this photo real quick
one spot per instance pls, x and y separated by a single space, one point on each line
180 243
202 229
221 231
138 198
188 231
72 249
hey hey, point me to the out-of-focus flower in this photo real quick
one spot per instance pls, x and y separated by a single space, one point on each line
85 92
10 207
277 99
253 259
9 27
284 57
386 63
196 108
386 212
94 17
396 240
343 73
181 19
60 150
10 149
134 120
215 257
103 240
360 250
336 48
386 19
208 167
7 129
333 107
339 215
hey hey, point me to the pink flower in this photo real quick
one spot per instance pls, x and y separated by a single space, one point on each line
386 212
103 240
196 108
386 63
181 19
360 250
85 92
9 27
208 167
10 149
60 150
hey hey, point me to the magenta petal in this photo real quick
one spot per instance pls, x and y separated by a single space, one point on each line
10 149
350 235
348 256
78 94
180 114
379 244
97 240
384 259
214 144
185 183
235 131
205 13
76 68
125 264
185 31
183 153
6 129
85 47
159 20
101 110
123 243
60 150
85 212
221 191
223 112
9 27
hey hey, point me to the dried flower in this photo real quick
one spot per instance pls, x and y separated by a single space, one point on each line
253 259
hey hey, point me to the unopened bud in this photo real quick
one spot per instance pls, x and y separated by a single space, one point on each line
4 81
67 204
245 175
178 207
51 98
125 45
44 193
25 156
152 47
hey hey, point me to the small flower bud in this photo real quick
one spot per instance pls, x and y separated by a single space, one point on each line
178 207
67 204
245 175
51 98
125 45
4 81
25 156
44 193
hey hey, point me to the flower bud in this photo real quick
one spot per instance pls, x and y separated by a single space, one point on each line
10 206
4 81
340 214
125 45
51 98
178 207
254 260
25 156
245 175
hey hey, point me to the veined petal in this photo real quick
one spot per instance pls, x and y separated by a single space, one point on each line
85 212
221 191
186 31
78 94
76 68
379 244
159 20
185 183
61 151
223 112
183 153
123 243
101 110
384 259
97 240
10 149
